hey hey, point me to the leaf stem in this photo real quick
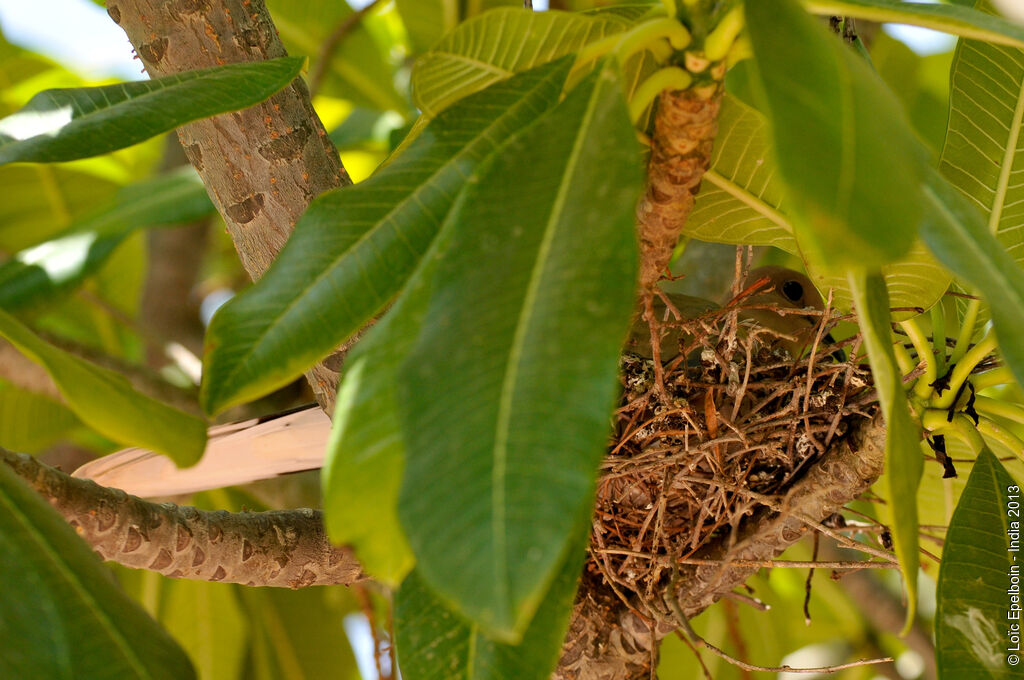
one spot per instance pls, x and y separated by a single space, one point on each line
670 78
721 39
963 340
923 386
963 369
997 376
1000 435
999 409
938 315
937 421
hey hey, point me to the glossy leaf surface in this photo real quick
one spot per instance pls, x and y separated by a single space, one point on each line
62 125
504 400
354 247
40 273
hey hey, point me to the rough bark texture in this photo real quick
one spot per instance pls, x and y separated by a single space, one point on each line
608 641
286 549
685 126
261 166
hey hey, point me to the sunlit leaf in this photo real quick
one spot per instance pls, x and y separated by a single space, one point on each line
62 125
105 400
38 274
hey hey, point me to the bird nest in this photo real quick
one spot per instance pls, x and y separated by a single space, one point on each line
738 421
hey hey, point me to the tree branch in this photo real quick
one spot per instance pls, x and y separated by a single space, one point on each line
262 165
284 548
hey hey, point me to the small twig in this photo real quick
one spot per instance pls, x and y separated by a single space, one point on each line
347 25
367 607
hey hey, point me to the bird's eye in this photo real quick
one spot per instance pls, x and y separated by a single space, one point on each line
793 290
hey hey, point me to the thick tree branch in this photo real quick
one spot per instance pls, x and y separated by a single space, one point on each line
261 166
609 641
287 548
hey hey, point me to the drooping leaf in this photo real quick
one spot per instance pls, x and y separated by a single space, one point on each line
105 400
945 17
505 398
434 642
842 143
354 247
62 125
61 615
742 201
979 567
38 274
958 236
496 46
904 461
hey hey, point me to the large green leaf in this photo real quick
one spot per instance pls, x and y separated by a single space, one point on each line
354 247
358 69
206 619
61 615
40 273
105 400
497 45
505 398
435 643
957 234
742 201
842 143
62 125
983 155
427 21
904 461
976 615
949 18
366 454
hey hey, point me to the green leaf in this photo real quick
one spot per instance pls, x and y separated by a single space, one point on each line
358 69
427 21
61 615
497 45
958 236
948 18
354 247
62 125
362 473
105 401
505 398
206 619
984 148
298 634
435 643
842 143
30 422
980 566
37 275
742 201
904 462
